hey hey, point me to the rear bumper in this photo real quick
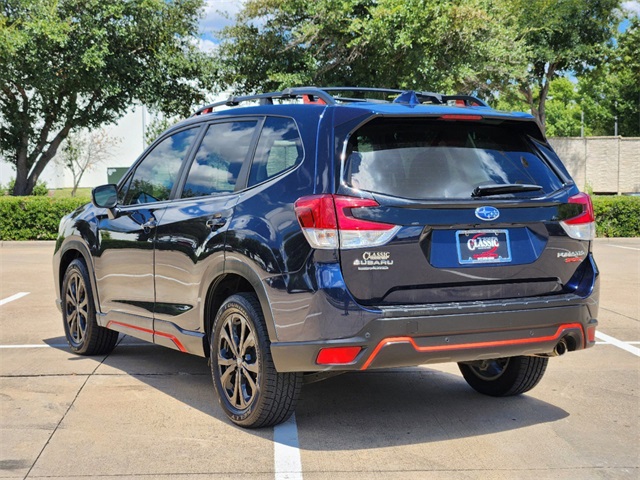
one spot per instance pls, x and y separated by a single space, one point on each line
404 338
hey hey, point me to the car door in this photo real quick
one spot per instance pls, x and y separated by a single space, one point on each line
190 241
124 260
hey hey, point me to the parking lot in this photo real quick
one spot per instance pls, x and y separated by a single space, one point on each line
144 411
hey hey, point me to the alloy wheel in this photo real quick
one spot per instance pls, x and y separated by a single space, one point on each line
76 308
238 365
490 369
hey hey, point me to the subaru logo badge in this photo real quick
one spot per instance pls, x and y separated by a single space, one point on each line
487 213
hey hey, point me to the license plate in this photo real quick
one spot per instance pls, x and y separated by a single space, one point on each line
483 246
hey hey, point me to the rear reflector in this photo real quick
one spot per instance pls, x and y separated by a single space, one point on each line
328 222
337 355
591 334
582 226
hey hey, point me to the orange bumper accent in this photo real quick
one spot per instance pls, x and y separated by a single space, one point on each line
464 346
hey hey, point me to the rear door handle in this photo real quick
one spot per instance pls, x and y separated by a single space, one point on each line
150 224
216 222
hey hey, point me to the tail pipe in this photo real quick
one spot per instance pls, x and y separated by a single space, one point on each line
560 348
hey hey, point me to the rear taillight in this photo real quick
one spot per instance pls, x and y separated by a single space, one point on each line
328 222
582 226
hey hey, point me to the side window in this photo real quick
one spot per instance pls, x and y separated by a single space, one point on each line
155 176
279 149
220 156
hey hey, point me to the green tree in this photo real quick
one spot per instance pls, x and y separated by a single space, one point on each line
420 44
561 36
157 125
71 64
563 109
613 88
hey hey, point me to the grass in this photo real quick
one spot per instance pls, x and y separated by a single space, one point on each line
66 193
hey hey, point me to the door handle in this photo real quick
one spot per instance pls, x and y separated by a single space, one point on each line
216 222
149 225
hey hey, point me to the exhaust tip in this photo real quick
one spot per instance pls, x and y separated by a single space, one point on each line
561 348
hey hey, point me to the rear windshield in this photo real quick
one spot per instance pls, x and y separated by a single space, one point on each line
435 159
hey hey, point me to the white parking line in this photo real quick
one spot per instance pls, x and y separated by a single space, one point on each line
286 452
620 246
618 343
38 345
65 345
13 297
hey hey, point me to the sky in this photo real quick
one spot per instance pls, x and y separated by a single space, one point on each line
215 10
214 20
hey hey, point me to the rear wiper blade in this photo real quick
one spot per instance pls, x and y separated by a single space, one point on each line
487 190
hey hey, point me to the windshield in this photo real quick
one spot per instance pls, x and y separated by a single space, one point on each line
436 159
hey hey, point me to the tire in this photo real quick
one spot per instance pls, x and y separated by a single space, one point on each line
84 335
250 390
503 377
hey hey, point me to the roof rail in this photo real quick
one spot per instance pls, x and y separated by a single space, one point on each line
323 95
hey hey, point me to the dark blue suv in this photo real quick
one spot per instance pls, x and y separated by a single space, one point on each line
316 231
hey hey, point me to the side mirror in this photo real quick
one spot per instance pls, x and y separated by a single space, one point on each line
105 196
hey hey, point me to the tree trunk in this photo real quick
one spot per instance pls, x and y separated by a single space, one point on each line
22 171
542 99
44 158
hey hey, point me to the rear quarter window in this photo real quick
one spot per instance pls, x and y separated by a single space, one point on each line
279 149
435 159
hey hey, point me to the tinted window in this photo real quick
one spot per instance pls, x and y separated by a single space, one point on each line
279 149
436 159
219 159
155 176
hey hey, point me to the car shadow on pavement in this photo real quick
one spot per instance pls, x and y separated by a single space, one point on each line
349 412
407 406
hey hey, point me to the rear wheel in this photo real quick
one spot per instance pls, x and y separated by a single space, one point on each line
502 377
83 333
250 390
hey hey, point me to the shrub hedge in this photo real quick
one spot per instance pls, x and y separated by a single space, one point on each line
37 218
34 218
617 216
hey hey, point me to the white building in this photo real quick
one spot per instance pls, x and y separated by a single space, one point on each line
129 130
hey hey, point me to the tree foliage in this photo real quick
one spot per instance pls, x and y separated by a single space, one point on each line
560 37
418 44
613 88
508 51
70 64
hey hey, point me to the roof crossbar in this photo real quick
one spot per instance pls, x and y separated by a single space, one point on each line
315 94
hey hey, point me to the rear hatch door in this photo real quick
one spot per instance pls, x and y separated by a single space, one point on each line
478 206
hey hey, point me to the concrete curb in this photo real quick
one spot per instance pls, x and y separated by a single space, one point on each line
25 243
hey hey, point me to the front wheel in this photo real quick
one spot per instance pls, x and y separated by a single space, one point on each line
502 377
83 333
250 390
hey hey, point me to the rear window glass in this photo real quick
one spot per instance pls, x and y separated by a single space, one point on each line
435 159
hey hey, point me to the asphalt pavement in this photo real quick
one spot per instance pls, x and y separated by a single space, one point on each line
147 412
